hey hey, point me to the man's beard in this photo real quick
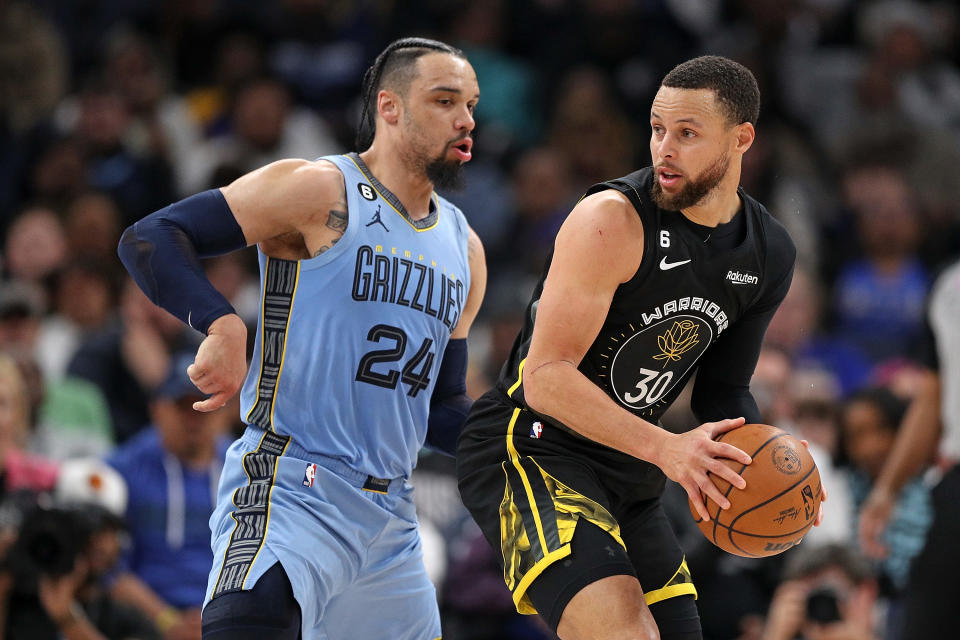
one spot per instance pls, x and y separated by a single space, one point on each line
695 190
445 174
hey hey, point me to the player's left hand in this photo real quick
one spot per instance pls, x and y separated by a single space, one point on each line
221 362
823 492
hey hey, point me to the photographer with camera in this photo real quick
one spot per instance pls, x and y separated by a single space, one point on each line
51 583
829 592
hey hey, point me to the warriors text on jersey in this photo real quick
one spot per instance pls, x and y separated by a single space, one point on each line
692 285
349 342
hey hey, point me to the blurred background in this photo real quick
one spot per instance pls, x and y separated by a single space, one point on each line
111 109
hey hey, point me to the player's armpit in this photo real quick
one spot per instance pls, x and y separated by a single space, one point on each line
284 197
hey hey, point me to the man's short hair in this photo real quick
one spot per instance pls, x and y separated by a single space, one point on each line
394 69
809 560
733 84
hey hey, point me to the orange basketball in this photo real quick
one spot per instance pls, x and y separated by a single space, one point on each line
778 505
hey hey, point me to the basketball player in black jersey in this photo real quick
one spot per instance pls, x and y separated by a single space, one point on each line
665 272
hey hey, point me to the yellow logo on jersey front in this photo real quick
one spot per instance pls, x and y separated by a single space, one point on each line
679 339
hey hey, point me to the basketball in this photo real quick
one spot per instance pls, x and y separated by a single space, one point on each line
778 505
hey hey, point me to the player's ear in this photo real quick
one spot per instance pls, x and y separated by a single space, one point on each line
389 106
745 134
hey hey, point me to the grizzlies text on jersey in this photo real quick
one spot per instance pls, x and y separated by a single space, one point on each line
380 306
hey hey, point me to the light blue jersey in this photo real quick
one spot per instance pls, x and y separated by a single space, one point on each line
347 351
349 342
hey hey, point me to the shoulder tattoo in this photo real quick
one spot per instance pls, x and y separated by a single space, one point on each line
337 219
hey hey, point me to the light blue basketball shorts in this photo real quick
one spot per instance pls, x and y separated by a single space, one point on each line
352 554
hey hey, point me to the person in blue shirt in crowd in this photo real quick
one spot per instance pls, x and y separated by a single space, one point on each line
172 469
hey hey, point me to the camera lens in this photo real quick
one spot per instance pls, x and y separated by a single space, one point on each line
50 553
48 543
823 605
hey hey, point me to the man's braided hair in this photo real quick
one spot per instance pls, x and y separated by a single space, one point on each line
394 67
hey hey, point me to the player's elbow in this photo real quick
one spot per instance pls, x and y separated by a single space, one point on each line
539 385
127 248
135 253
533 397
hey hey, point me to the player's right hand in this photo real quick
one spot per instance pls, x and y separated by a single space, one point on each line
221 362
874 517
686 458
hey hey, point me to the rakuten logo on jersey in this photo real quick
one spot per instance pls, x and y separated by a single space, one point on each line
742 277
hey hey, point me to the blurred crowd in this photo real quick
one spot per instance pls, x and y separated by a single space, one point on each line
111 109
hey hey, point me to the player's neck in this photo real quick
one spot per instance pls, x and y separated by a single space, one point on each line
718 207
413 191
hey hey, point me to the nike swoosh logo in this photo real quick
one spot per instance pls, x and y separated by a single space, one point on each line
664 265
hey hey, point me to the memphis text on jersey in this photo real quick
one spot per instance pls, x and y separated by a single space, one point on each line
407 279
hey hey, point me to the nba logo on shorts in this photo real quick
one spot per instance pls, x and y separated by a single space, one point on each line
536 429
309 474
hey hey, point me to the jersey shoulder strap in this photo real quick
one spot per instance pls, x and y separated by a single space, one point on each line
633 186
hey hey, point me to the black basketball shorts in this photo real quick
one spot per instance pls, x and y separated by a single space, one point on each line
561 516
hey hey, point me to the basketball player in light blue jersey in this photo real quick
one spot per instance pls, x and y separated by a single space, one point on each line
369 282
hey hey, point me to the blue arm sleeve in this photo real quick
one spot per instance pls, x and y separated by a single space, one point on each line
162 252
449 404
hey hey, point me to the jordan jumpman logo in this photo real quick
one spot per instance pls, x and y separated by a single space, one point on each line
376 220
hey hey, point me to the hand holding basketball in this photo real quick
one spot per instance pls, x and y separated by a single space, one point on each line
780 502
690 458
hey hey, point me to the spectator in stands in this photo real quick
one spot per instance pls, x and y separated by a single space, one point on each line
879 298
128 359
870 420
92 225
797 329
65 416
35 246
61 594
172 470
137 179
828 592
19 472
265 126
83 300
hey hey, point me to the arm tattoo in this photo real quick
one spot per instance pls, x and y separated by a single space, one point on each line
337 220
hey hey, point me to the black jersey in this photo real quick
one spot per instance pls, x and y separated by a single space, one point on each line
693 285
